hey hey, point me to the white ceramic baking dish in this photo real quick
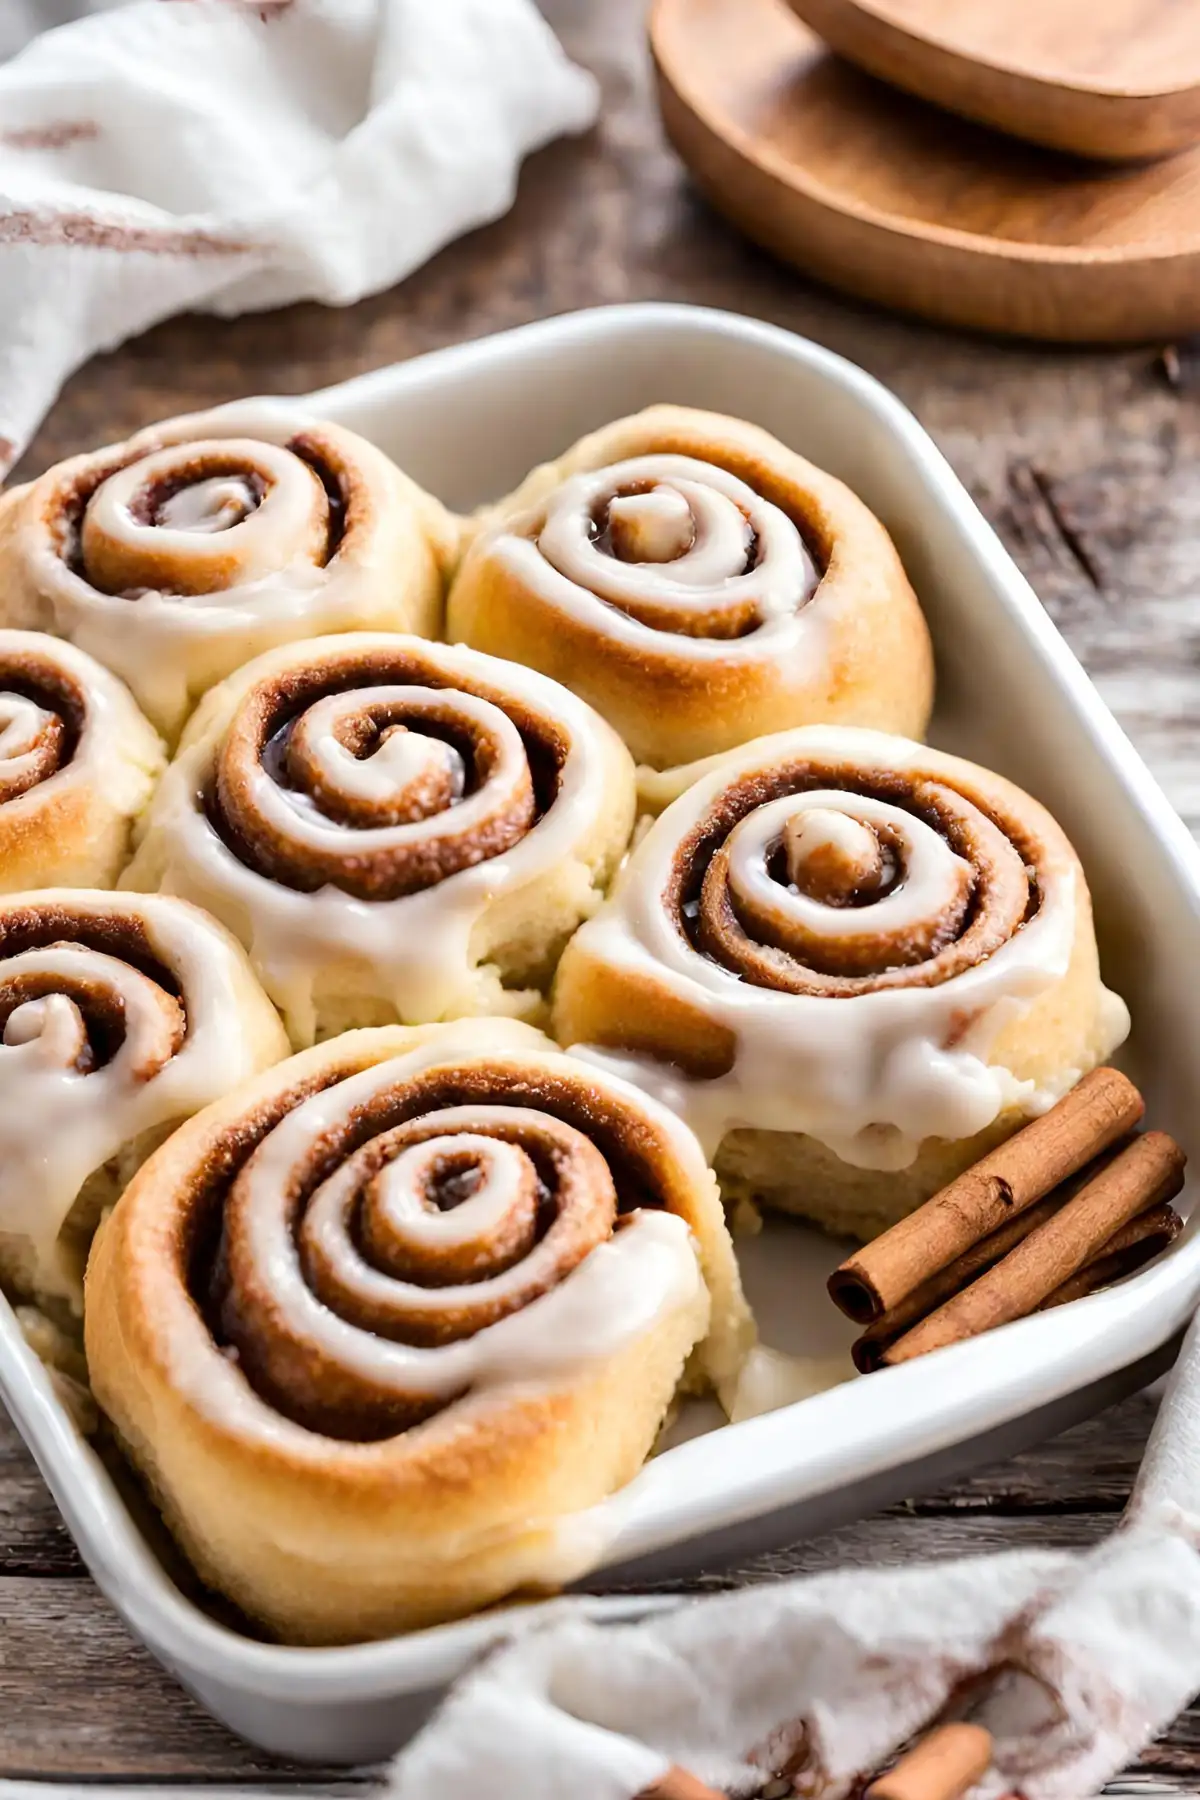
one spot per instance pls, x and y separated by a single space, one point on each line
467 423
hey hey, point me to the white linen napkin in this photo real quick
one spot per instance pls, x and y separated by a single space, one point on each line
210 154
1083 1660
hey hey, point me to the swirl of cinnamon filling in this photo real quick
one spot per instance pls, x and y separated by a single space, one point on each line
679 545
376 816
33 738
198 543
119 1015
78 763
837 892
438 1282
700 584
433 1230
382 790
841 932
408 1214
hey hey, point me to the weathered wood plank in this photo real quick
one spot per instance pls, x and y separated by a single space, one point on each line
33 1539
1084 463
1090 1468
78 1697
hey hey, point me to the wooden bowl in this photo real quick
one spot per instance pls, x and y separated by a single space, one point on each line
902 203
1108 78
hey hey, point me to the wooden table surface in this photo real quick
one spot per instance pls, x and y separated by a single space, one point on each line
1086 462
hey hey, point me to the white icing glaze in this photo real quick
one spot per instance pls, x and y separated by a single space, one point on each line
871 1075
555 554
394 767
212 505
502 1197
653 527
22 725
809 831
415 950
158 641
287 523
403 1183
57 1124
608 1300
404 758
933 873
770 1379
116 752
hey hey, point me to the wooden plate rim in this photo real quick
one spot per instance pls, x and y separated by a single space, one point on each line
1089 90
769 163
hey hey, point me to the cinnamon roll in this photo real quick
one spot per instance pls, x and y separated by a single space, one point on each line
78 763
120 1015
700 584
394 829
377 1325
199 543
854 963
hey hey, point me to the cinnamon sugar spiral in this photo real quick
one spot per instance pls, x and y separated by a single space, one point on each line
375 1324
420 1210
680 545
699 583
118 1016
33 742
78 763
376 817
844 935
810 882
385 787
199 543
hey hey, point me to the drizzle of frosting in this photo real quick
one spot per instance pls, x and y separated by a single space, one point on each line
683 549
539 1320
414 947
832 863
70 724
22 723
182 520
94 1051
205 540
407 793
771 1379
828 853
652 527
215 504
407 774
28 742
866 1026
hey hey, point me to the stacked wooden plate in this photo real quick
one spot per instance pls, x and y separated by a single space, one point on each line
1028 168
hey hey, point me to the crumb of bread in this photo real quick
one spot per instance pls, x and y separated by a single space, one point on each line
745 1219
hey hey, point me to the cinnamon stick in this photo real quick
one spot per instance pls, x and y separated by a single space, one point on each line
943 1766
1102 1109
1136 1243
1146 1174
942 1286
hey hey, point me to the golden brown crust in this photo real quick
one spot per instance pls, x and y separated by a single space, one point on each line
120 1015
859 654
394 828
273 526
78 764
761 979
396 1520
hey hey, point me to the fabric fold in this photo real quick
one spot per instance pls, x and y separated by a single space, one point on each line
170 155
1074 1662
